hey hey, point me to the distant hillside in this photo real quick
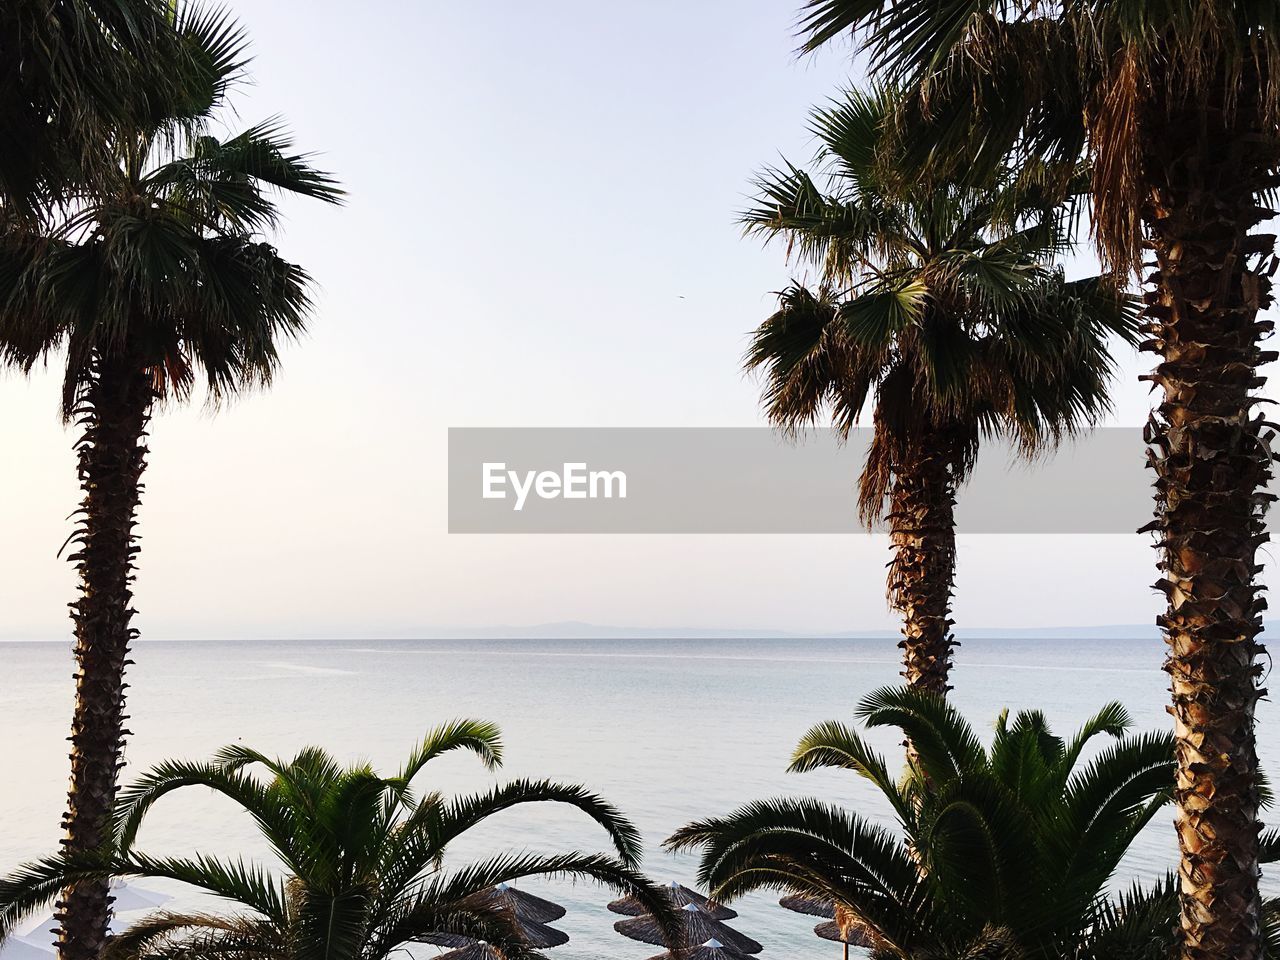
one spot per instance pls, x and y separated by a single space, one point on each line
578 630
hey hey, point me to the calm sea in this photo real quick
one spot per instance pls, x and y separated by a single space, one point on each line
669 730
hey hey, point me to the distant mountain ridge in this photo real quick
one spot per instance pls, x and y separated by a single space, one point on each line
580 630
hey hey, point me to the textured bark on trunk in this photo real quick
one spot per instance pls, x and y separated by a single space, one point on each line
113 414
922 573
1207 170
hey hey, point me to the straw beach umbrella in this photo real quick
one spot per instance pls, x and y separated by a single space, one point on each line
681 896
809 906
537 935
849 935
711 950
478 950
524 905
531 915
699 927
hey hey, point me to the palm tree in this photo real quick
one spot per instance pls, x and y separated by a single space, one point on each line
942 303
1009 847
363 858
1175 104
69 71
157 275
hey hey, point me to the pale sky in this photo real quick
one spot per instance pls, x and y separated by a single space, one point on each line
540 233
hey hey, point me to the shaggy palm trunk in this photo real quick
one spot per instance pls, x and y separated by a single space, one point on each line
113 413
922 573
1207 170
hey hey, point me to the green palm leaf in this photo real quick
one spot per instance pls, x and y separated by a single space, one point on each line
947 745
834 745
477 736
366 866
1009 850
874 317
813 850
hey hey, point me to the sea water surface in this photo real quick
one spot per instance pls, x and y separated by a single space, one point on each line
669 730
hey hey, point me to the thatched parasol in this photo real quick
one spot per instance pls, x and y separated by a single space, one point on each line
809 906
681 896
699 927
524 905
537 935
478 950
850 935
531 915
711 950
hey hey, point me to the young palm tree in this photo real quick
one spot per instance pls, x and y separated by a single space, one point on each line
940 308
1176 105
363 859
69 71
1008 848
157 276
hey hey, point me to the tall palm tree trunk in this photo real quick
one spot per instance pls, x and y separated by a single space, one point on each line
922 573
113 413
1212 467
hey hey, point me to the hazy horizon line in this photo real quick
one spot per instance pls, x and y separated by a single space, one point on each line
582 630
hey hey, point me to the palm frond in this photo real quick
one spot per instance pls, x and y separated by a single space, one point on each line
164 933
273 817
946 744
1113 720
467 812
480 737
1010 849
1137 925
365 864
814 850
941 303
834 745
881 312
1269 846
462 884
